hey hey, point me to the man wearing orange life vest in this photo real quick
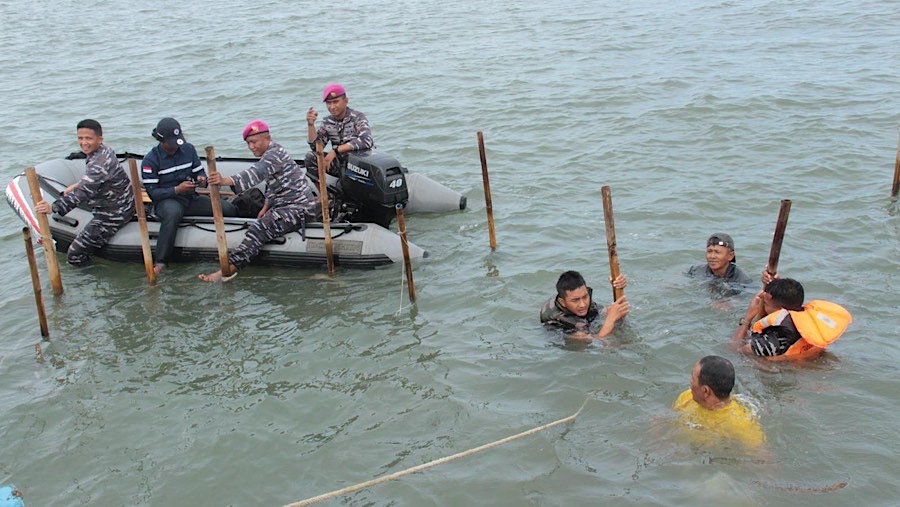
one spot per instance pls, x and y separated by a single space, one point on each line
778 325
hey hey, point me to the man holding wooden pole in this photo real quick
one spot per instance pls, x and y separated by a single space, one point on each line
778 325
105 186
289 200
573 309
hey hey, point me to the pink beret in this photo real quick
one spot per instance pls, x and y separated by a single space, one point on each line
255 127
333 91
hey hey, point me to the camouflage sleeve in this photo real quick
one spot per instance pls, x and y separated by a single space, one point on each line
257 172
95 173
363 139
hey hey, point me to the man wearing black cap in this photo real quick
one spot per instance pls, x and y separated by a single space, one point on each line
720 262
171 173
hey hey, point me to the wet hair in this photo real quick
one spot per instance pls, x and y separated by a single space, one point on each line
717 373
786 293
569 281
91 124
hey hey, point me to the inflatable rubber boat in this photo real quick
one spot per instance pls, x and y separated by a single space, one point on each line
362 203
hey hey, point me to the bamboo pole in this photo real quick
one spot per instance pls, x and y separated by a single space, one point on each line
142 221
215 199
487 191
895 188
35 282
323 197
778 237
46 238
401 225
611 247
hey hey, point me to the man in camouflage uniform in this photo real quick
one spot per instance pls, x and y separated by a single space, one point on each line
346 129
105 186
289 200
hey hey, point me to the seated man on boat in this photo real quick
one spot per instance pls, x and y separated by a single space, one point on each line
289 200
708 406
171 173
720 262
105 186
777 325
573 310
345 128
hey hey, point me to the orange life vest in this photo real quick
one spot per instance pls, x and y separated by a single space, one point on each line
819 324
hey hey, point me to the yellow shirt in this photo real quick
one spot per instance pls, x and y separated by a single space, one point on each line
733 422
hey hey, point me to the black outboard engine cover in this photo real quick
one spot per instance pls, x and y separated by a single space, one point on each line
377 184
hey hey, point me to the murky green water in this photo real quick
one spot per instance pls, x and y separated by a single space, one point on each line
287 384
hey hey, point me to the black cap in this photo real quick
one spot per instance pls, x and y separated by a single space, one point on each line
169 131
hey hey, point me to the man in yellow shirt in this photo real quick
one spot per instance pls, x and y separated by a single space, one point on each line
708 410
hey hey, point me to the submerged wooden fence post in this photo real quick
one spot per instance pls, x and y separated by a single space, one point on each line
46 238
35 282
896 186
407 265
215 199
323 198
611 247
487 191
778 237
142 221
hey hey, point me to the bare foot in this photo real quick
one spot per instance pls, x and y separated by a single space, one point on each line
158 267
217 276
212 277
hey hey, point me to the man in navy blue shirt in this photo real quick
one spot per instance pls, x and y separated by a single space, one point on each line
171 173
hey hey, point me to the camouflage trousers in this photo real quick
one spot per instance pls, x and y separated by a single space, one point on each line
95 235
275 223
311 162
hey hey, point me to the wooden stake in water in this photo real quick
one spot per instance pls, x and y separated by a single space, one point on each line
142 221
611 240
215 199
778 237
487 191
323 197
896 186
407 265
35 282
46 238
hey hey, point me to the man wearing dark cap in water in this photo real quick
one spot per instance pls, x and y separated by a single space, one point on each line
720 262
345 128
171 173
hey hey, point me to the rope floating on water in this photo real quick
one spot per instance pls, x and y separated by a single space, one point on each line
430 464
793 488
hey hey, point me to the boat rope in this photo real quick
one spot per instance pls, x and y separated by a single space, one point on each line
430 464
793 488
400 309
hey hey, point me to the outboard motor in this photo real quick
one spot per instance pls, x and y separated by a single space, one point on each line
376 183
